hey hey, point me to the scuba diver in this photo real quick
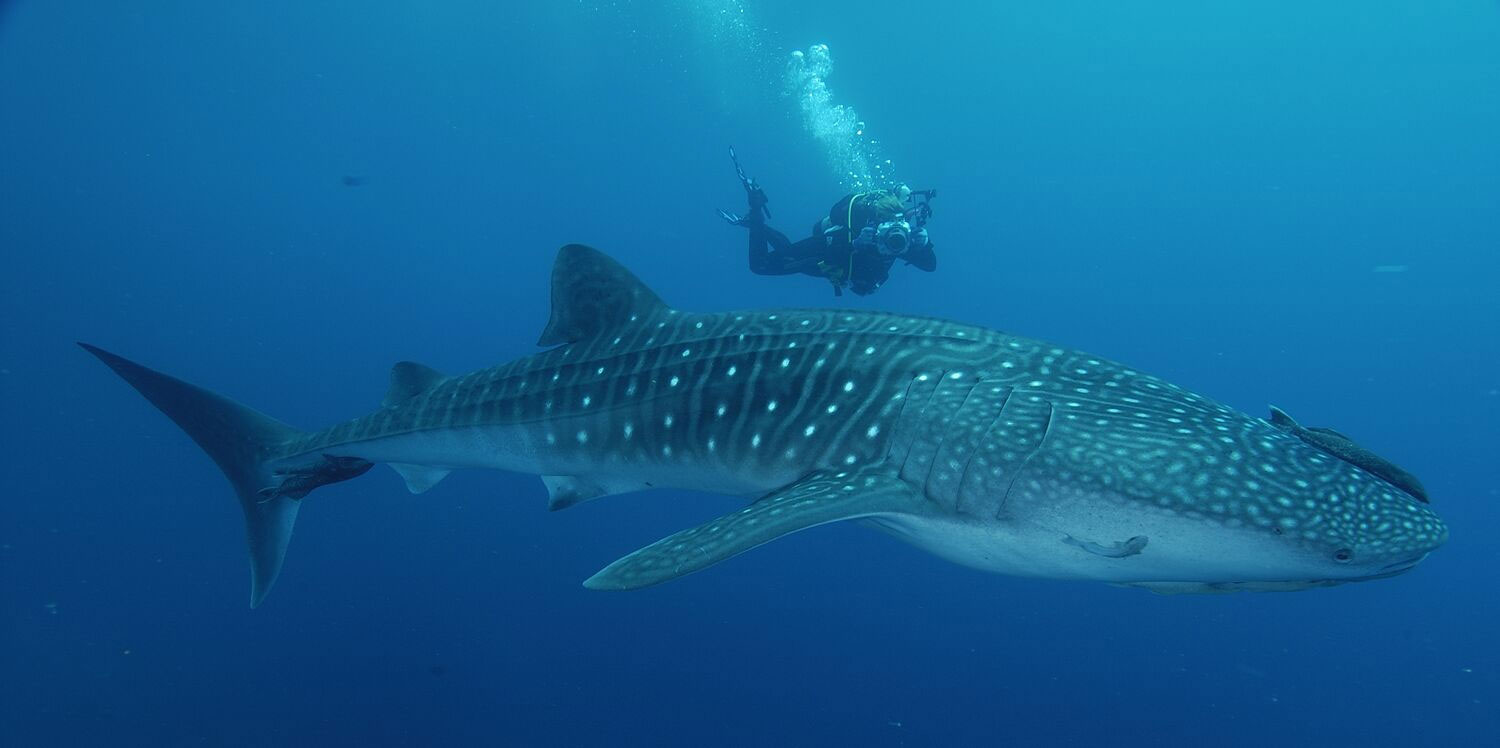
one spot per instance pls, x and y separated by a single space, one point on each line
853 247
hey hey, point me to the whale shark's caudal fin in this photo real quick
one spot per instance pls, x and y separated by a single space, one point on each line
240 440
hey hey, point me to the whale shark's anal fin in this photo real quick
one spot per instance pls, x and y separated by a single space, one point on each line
820 498
419 478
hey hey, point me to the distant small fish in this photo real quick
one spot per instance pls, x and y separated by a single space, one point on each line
353 181
1390 269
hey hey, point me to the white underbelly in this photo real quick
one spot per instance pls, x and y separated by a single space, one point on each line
1175 549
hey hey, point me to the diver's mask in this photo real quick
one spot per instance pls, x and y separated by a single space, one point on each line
893 237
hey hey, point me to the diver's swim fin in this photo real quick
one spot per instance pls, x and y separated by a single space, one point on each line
757 196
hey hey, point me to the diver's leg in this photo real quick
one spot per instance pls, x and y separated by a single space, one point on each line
763 240
758 211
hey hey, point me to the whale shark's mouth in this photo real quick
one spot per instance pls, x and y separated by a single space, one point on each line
1182 588
1391 570
1210 588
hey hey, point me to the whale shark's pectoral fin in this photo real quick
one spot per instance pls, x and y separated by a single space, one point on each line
1118 549
818 499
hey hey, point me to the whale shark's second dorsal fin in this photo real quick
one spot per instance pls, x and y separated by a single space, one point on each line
409 379
592 294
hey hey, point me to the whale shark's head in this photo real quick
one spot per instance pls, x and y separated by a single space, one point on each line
1310 521
1221 501
1352 526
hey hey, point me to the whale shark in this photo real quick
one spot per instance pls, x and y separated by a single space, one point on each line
995 451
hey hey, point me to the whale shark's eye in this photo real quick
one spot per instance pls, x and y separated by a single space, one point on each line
1343 555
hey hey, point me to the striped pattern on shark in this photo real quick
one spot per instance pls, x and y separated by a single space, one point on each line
993 450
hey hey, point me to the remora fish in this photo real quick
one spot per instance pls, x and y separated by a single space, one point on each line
995 451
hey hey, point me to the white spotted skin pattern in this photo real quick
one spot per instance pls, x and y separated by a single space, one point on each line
1009 441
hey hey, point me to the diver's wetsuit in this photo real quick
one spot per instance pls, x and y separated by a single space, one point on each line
862 268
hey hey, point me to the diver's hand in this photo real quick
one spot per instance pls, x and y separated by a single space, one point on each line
918 239
866 237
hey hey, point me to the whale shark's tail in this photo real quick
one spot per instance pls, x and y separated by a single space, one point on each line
242 441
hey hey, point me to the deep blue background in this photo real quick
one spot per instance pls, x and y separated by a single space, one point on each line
1203 190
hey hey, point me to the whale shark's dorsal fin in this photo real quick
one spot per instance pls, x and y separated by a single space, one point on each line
409 379
592 294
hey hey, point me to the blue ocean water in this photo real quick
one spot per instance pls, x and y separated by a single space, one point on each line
1266 202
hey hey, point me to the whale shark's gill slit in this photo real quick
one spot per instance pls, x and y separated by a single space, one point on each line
979 443
949 439
900 445
918 417
938 379
1026 461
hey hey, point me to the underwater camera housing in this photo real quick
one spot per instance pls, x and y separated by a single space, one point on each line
920 202
893 237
